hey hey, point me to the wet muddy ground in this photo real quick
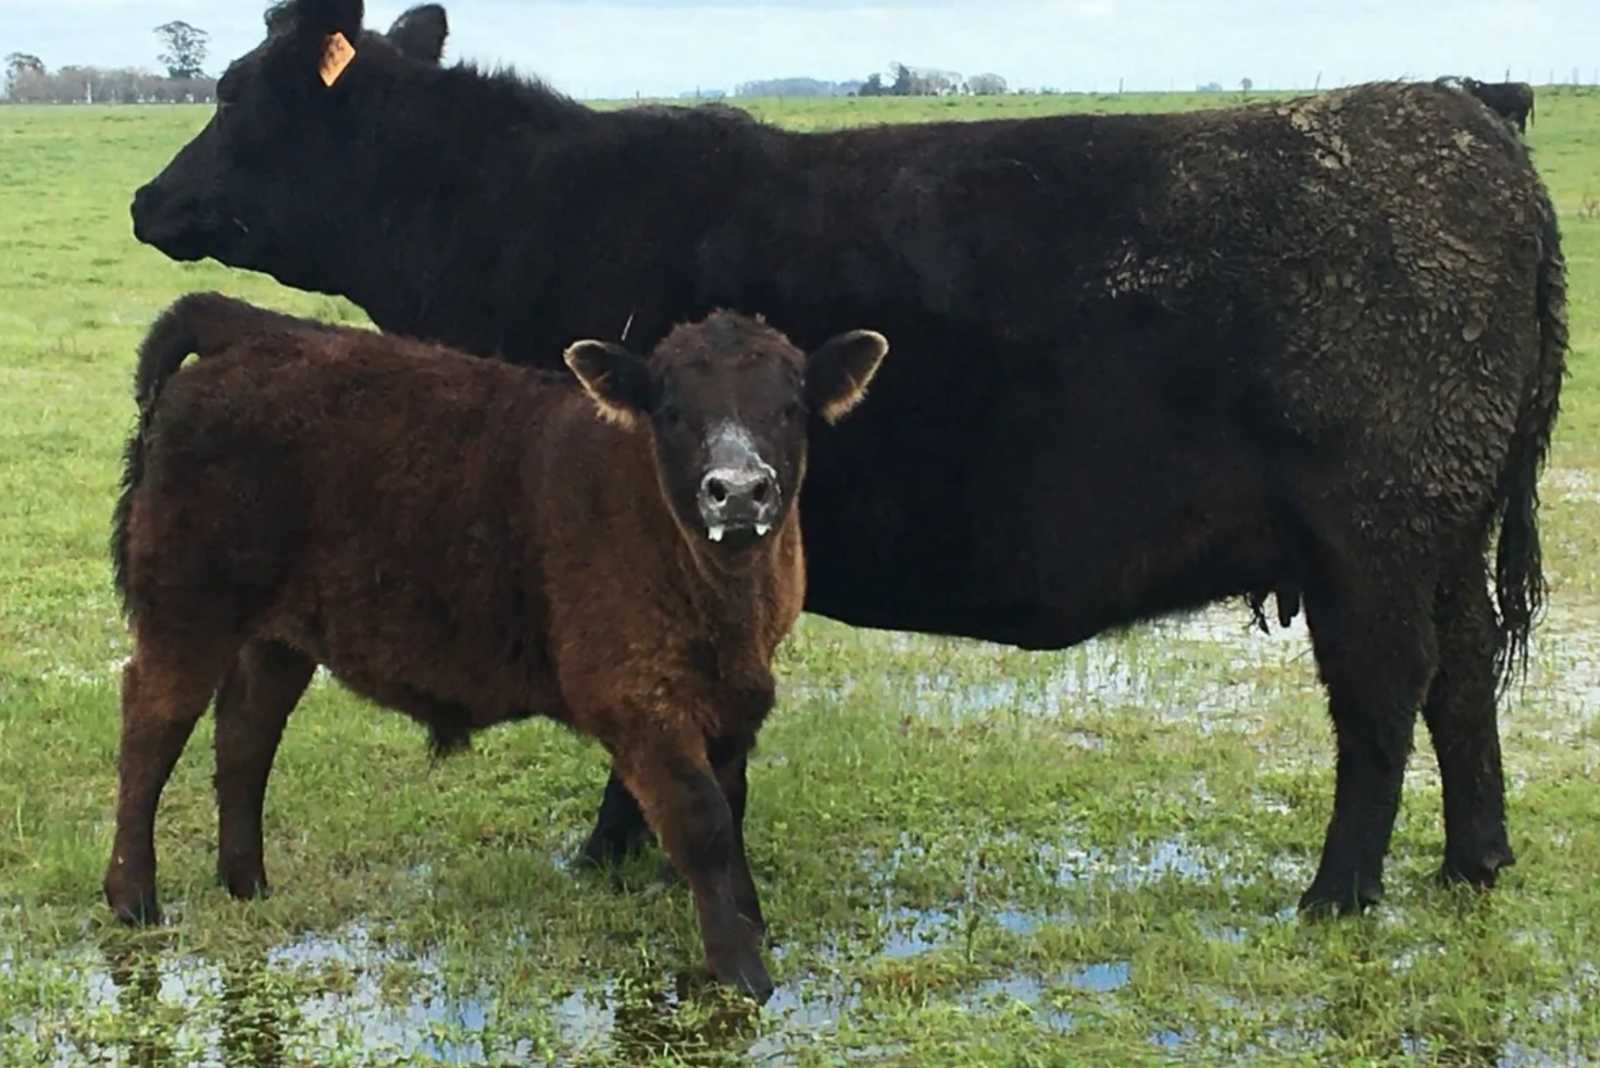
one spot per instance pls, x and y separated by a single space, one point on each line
376 1000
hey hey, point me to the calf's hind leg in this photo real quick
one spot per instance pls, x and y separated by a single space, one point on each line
165 689
686 808
262 688
1374 642
1461 717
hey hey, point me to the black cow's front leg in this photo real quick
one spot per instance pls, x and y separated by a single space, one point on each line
619 828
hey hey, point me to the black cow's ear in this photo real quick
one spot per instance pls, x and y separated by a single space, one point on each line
618 380
326 32
419 33
329 17
838 373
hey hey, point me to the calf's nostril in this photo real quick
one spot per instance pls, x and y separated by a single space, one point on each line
717 490
758 493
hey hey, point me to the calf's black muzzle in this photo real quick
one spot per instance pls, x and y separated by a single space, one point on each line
741 500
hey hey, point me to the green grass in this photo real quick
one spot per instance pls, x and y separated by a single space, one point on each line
971 855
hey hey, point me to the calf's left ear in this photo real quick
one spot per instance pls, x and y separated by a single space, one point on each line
838 373
618 380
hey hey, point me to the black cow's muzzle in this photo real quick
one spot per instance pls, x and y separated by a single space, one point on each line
175 226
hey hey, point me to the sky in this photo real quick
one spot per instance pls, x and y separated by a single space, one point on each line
621 48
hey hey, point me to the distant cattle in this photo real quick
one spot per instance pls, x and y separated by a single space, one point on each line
1512 101
468 542
1310 348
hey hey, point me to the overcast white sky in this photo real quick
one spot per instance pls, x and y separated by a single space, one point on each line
612 48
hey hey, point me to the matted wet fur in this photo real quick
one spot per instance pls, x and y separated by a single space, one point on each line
1311 348
470 543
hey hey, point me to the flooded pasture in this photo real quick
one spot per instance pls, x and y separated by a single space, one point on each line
381 999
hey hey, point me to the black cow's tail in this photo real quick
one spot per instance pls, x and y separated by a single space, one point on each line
187 327
1533 105
1518 573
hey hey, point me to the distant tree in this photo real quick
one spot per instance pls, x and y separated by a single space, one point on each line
986 85
21 66
910 81
1245 84
102 85
873 86
795 87
183 49
905 80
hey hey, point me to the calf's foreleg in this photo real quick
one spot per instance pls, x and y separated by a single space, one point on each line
685 806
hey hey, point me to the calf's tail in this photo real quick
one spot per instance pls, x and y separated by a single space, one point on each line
199 324
1519 574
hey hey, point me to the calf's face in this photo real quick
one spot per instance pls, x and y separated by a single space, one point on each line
727 403
287 154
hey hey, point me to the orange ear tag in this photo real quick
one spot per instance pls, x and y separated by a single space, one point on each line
336 56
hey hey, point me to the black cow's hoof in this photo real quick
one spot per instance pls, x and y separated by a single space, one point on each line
1480 871
1327 898
601 851
597 854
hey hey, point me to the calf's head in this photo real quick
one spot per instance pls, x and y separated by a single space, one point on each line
727 403
288 157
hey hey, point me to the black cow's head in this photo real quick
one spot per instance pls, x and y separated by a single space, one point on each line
727 403
287 145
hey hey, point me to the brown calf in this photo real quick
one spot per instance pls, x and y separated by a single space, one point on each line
470 543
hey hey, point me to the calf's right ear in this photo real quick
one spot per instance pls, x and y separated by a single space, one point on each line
618 380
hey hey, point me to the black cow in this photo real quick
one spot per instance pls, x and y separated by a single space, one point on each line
1144 362
1512 101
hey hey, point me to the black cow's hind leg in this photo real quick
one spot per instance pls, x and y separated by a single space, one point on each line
1460 712
1375 649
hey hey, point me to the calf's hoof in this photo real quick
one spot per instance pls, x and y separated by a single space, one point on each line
244 885
136 908
1340 897
743 971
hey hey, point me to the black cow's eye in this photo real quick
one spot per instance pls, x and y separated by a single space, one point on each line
670 418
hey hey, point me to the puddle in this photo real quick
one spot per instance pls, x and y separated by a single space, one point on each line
1211 669
1570 484
1225 666
350 991
997 995
1141 866
1110 975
